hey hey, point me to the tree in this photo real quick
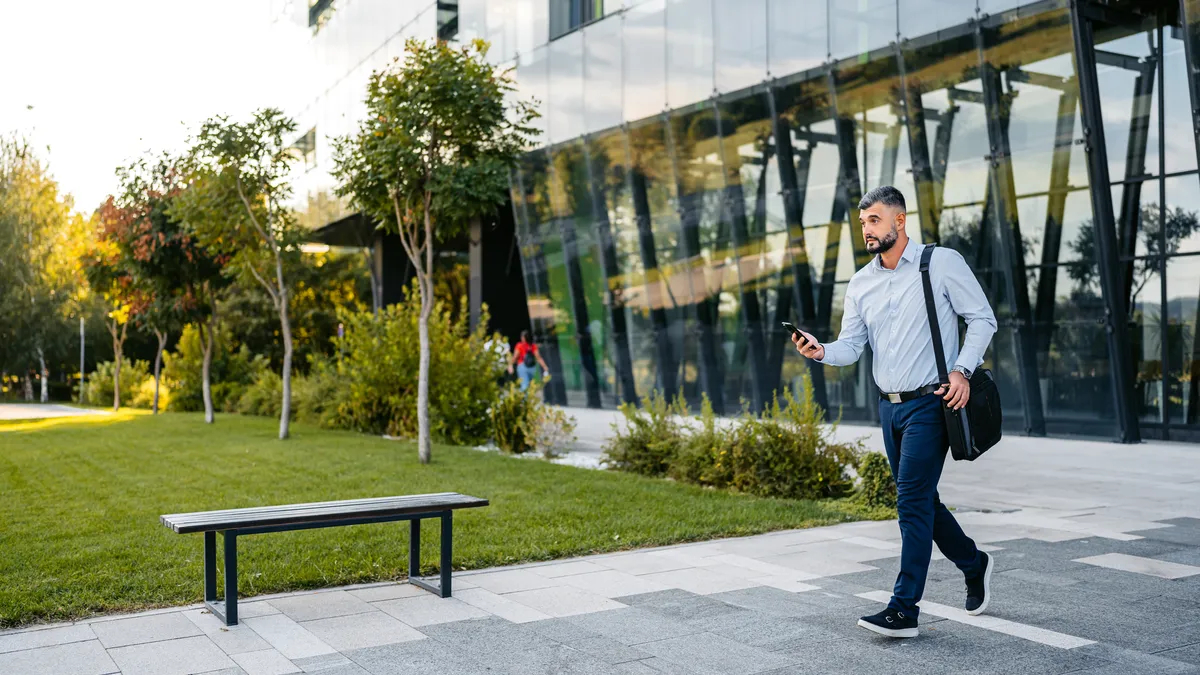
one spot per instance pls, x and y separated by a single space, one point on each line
174 277
110 280
237 187
36 279
434 151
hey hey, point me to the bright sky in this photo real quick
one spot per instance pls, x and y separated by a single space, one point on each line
109 80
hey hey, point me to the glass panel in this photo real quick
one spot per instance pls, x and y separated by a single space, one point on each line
630 287
602 42
501 29
1183 219
1074 371
689 51
755 259
741 41
797 45
919 17
1179 156
542 259
566 88
572 194
860 26
1125 69
532 29
532 84
701 278
1183 350
1146 339
644 44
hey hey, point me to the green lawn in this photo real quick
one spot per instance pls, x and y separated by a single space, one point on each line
81 499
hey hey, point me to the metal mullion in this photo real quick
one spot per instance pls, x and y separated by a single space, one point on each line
1189 12
1117 337
1162 232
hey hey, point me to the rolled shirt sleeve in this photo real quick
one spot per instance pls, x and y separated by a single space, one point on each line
968 300
847 349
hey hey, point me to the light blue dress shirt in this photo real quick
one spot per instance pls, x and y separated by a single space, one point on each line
887 308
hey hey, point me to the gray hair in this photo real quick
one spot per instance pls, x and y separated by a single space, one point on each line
884 194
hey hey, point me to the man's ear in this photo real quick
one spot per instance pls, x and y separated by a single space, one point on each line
901 220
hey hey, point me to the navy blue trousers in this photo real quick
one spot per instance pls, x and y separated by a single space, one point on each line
914 433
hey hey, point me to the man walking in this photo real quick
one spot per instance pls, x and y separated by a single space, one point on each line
885 305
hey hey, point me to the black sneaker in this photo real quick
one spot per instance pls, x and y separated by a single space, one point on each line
891 623
979 589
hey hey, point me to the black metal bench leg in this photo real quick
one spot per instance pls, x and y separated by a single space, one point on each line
414 549
231 592
210 566
447 552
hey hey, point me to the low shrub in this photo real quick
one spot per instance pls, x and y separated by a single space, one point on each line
264 395
788 451
144 396
378 370
99 388
316 396
230 373
522 422
650 439
878 488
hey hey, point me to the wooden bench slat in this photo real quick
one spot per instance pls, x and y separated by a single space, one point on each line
315 512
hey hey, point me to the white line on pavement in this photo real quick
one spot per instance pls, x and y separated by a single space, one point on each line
992 623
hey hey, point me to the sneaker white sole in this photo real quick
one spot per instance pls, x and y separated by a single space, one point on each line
889 632
987 587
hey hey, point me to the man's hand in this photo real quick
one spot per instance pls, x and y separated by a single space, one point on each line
810 349
510 369
959 391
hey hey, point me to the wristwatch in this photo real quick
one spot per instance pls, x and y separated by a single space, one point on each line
962 369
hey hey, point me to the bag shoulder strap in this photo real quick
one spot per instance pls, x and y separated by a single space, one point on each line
935 332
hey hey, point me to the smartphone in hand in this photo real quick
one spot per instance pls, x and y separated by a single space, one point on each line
795 331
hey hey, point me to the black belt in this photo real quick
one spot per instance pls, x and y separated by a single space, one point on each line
910 395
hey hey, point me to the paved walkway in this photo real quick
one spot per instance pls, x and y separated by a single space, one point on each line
37 411
1098 571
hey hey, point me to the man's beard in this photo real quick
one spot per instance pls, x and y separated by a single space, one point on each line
883 245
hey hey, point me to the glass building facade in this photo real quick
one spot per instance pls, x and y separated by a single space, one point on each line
701 161
699 164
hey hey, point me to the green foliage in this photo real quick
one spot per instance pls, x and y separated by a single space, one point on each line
99 390
522 422
379 364
231 372
878 488
317 395
263 395
320 285
650 439
39 281
440 134
787 451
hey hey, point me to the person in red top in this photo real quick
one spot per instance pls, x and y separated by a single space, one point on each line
524 356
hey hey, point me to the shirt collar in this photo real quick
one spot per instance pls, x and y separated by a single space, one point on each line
911 253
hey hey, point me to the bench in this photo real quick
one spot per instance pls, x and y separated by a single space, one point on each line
233 523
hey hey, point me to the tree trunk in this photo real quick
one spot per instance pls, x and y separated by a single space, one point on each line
116 375
162 344
45 376
424 441
205 369
285 412
28 386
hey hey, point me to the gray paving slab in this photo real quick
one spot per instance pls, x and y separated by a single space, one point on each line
321 605
48 637
142 629
483 637
633 625
1186 654
76 658
324 662
695 610
1161 663
556 659
171 657
421 656
705 653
